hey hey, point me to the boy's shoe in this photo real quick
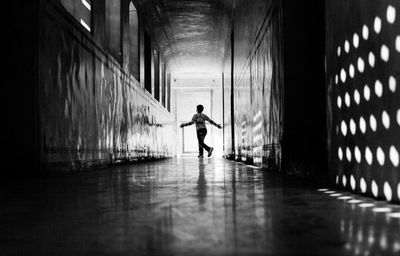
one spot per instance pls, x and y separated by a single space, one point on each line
210 152
200 156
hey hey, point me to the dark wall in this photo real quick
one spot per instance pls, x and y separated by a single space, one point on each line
20 138
279 98
304 127
363 76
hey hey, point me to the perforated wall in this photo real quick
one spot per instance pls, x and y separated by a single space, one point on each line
363 72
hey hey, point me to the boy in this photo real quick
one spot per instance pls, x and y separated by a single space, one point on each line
200 119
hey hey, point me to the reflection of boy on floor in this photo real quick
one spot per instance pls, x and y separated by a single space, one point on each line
199 119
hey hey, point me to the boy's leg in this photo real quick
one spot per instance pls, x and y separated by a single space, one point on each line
201 135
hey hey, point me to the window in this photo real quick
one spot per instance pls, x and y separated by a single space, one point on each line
147 62
168 94
81 10
113 28
156 75
163 85
134 52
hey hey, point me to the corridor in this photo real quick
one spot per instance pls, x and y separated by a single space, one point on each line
200 127
191 207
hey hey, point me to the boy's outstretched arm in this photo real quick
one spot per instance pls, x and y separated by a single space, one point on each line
213 123
187 124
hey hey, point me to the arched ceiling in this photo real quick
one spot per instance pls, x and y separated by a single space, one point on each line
191 34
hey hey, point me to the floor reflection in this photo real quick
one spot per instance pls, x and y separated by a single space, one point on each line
191 207
202 184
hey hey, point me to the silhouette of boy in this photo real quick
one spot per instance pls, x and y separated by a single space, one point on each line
199 119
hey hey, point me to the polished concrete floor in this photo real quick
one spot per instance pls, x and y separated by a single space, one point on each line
189 207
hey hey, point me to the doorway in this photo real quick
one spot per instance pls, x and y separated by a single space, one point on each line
187 101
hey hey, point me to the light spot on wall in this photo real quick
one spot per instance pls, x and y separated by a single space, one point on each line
360 65
394 156
357 154
391 14
347 46
344 181
377 25
352 182
398 43
356 40
385 120
344 128
398 190
392 84
378 88
348 154
398 117
339 102
352 127
372 122
343 75
380 156
363 125
356 97
336 79
339 51
340 153
385 53
347 99
374 188
365 32
351 71
363 185
387 191
367 93
371 59
368 155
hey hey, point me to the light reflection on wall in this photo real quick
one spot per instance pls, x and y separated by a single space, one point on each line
363 80
258 109
92 111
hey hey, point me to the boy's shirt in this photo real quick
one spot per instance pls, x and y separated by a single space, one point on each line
200 120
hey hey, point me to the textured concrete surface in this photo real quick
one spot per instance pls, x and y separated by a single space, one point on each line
258 79
189 206
92 111
192 33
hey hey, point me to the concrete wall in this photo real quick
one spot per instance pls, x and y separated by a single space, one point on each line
279 113
19 137
92 111
363 77
257 62
304 137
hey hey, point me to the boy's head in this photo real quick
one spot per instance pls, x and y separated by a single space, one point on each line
200 108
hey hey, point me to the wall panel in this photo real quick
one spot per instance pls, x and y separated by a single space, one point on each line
258 83
92 112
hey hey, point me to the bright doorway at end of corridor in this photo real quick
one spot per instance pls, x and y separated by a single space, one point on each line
188 91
